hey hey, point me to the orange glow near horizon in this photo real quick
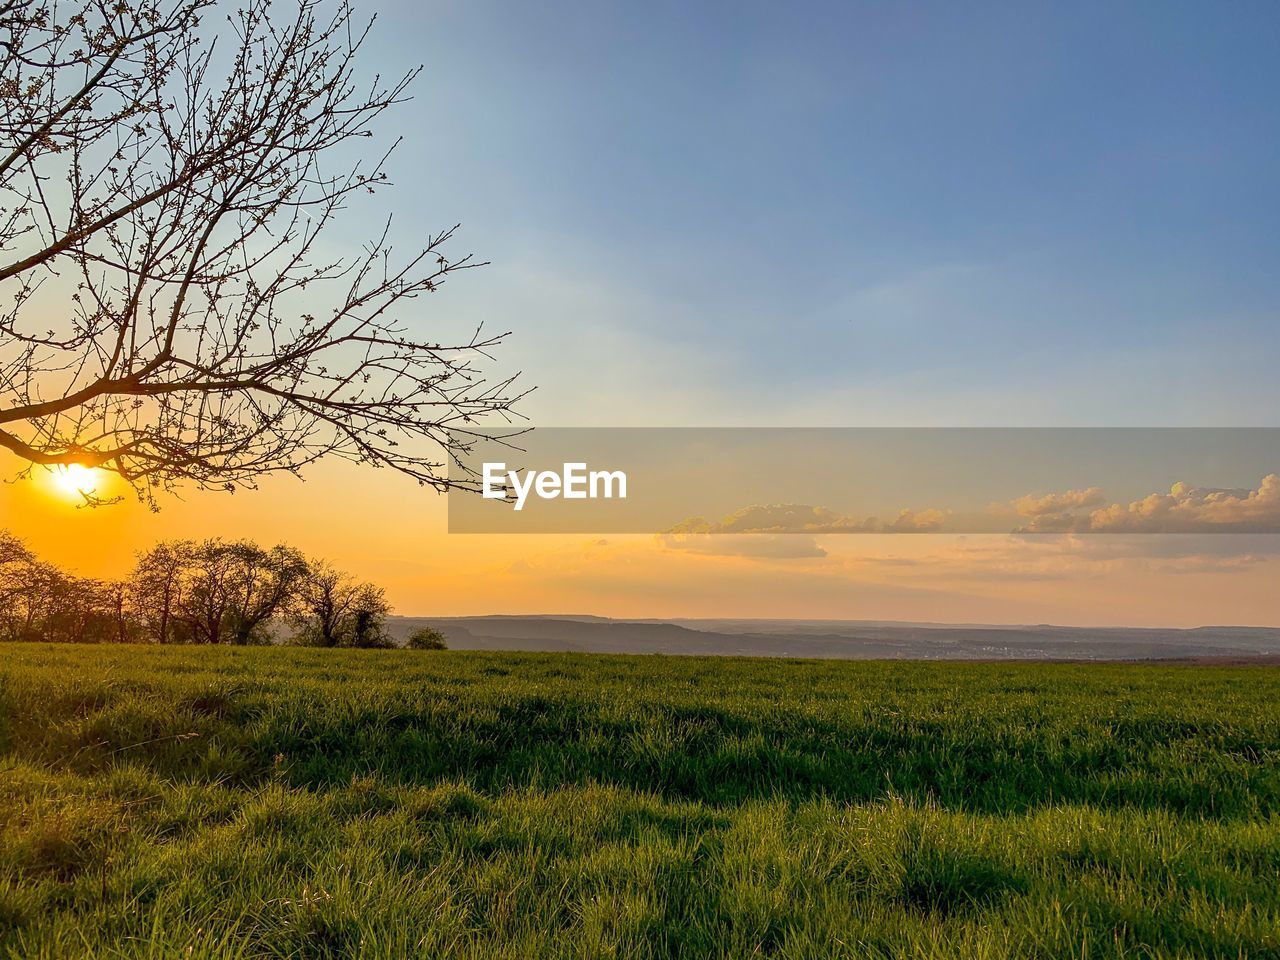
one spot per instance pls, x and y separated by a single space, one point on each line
384 528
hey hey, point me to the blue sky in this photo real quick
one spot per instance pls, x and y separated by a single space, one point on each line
854 213
816 215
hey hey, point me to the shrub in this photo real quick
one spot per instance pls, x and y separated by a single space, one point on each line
427 639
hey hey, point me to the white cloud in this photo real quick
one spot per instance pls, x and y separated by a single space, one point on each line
1188 509
1184 509
1033 506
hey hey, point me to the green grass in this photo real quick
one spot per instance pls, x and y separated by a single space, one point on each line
305 803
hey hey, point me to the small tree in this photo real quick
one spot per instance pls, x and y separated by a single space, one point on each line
369 615
333 609
427 638
322 605
213 591
155 589
218 591
18 567
263 584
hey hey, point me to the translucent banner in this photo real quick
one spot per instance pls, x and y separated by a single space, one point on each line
857 481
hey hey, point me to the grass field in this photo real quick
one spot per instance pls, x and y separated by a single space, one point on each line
304 803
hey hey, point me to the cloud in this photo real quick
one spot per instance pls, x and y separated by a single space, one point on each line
1054 503
1184 509
912 521
1188 509
1056 512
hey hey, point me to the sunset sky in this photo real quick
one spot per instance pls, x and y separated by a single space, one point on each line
823 214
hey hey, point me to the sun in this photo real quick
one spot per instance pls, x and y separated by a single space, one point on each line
77 480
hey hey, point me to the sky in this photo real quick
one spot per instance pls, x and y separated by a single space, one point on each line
814 214
852 214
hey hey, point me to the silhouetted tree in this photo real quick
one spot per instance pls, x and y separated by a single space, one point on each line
227 592
113 602
16 562
40 602
323 605
369 618
166 311
156 585
202 610
208 592
263 582
333 609
25 587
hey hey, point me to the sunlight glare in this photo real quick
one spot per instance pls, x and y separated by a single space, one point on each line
77 480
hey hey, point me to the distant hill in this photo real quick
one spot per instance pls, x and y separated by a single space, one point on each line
845 639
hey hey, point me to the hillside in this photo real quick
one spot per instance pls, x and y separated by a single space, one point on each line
845 639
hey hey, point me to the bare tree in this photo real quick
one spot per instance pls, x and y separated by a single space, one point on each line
20 576
369 614
15 560
322 605
331 608
156 587
227 592
38 601
212 591
167 310
263 582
